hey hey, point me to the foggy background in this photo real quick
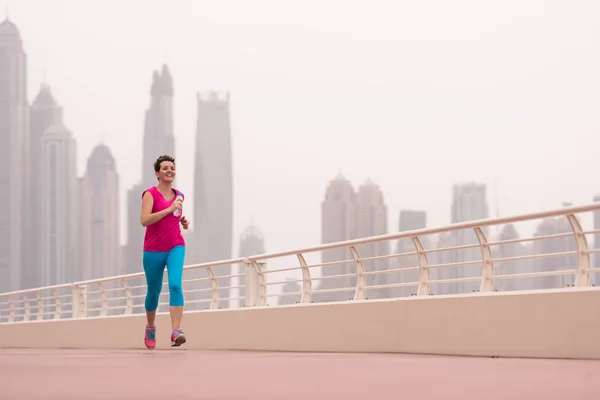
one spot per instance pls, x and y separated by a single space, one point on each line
415 96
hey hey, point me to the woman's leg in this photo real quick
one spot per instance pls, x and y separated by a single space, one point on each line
175 261
154 268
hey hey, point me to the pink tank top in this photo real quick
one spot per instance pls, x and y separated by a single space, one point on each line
166 233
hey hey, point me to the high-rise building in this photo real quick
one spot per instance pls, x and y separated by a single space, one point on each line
59 222
339 222
371 214
213 186
409 220
158 139
509 250
251 244
290 292
14 151
553 226
158 125
469 203
99 204
135 231
44 112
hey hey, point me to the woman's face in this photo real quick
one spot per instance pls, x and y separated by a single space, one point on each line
166 173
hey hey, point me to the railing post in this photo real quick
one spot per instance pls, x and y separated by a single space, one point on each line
261 283
104 307
11 311
27 308
361 279
79 303
423 289
214 304
306 280
40 303
487 270
251 284
129 299
583 277
57 306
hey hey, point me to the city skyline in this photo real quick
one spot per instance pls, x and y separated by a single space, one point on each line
286 238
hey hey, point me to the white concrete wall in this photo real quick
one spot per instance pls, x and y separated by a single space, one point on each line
562 324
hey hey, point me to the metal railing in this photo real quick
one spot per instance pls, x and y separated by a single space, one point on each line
204 286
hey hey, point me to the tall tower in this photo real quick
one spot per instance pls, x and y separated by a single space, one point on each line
469 203
158 125
372 221
158 139
251 244
59 236
409 220
44 112
99 194
14 151
509 250
338 223
213 185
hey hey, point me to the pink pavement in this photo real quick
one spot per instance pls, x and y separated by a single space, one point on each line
188 374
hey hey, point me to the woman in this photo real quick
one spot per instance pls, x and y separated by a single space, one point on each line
163 246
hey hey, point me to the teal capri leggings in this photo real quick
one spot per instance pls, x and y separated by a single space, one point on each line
154 267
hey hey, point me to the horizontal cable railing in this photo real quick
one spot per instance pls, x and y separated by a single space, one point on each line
357 269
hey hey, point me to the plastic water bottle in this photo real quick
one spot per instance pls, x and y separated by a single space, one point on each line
177 211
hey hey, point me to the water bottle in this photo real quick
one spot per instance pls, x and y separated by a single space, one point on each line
177 211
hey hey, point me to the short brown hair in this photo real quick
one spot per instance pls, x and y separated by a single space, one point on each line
160 159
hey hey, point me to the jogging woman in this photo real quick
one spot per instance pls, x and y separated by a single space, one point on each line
163 246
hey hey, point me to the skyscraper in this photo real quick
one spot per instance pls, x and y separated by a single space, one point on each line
409 220
469 203
158 125
44 112
553 226
158 139
99 191
59 236
251 244
213 185
14 151
509 250
372 221
338 223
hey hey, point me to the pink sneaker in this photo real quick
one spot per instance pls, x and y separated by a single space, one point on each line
177 338
150 337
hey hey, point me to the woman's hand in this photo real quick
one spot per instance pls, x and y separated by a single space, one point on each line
177 204
184 222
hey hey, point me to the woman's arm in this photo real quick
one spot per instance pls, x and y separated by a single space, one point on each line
147 218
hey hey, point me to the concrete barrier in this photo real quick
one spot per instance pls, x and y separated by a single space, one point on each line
542 324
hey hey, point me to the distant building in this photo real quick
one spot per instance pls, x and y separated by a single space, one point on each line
59 222
213 189
292 293
338 223
469 203
14 152
409 220
372 221
158 139
99 199
44 112
251 244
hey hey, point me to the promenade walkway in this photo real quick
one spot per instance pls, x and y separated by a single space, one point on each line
190 374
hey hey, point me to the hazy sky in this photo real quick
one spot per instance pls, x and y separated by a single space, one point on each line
416 95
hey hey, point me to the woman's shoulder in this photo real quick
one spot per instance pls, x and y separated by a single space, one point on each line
152 190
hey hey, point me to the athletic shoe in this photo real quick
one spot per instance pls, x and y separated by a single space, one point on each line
150 337
177 338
